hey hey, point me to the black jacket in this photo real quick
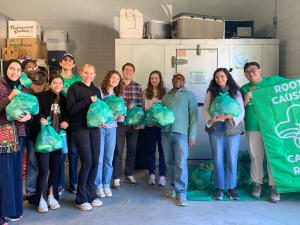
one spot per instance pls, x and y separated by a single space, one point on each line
45 100
78 103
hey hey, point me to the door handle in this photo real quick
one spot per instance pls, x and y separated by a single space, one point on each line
178 61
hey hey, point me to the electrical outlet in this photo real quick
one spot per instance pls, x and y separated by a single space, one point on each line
275 20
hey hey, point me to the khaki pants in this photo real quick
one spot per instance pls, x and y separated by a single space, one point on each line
257 151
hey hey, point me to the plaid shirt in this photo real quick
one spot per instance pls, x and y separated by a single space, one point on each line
133 91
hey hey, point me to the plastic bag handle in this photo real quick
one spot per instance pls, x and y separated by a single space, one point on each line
225 94
18 88
48 119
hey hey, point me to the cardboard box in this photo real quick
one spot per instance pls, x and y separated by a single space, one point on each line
57 40
12 53
24 29
35 48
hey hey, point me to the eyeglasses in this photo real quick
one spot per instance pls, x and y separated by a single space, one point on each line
128 70
178 78
31 68
251 71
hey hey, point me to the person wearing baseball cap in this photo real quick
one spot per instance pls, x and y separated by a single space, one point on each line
178 137
67 63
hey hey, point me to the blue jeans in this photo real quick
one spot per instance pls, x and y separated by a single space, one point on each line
228 146
175 147
153 136
107 148
32 167
73 162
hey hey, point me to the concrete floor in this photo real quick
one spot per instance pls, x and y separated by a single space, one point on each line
148 205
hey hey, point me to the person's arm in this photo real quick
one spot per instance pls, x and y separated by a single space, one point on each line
4 101
193 116
144 100
206 107
140 97
236 120
74 106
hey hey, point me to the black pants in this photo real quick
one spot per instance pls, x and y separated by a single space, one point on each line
11 182
47 161
88 146
131 135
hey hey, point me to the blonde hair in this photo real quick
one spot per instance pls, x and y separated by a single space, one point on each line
86 66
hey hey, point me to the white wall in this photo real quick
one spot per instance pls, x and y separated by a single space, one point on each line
91 23
288 13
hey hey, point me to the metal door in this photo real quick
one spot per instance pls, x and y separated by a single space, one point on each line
199 70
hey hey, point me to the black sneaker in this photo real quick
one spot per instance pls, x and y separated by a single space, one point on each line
73 188
218 194
31 199
60 190
3 221
14 218
232 194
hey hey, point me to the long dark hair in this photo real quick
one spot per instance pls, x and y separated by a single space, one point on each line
161 90
215 89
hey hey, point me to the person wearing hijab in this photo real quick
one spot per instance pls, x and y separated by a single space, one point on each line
29 67
11 155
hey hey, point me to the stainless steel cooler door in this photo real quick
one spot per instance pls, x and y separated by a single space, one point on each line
199 72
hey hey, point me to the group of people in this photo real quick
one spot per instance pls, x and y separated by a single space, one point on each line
66 100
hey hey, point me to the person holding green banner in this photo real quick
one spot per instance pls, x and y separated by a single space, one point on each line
224 133
255 142
52 104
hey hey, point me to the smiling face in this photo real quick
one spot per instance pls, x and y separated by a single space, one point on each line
128 72
221 78
154 79
253 74
88 75
31 70
67 63
14 71
178 82
114 80
56 85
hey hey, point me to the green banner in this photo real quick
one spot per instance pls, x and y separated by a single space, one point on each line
278 112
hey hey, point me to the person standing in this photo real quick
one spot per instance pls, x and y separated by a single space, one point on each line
132 91
224 133
52 104
68 63
87 140
30 68
11 158
255 142
176 138
153 94
111 85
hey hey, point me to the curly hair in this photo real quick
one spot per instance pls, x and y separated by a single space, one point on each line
118 90
161 90
215 88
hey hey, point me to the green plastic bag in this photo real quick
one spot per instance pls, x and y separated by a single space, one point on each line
134 116
20 103
48 139
158 116
201 177
116 105
224 105
25 80
99 113
148 118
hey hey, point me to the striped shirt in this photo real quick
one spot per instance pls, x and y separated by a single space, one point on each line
5 91
133 91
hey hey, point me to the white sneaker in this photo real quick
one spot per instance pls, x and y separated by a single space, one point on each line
42 206
131 180
96 203
151 180
107 192
99 192
162 181
85 206
52 202
116 184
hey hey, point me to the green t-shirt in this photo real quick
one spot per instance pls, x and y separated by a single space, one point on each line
69 82
251 122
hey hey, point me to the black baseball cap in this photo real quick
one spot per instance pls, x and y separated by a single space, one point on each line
68 54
